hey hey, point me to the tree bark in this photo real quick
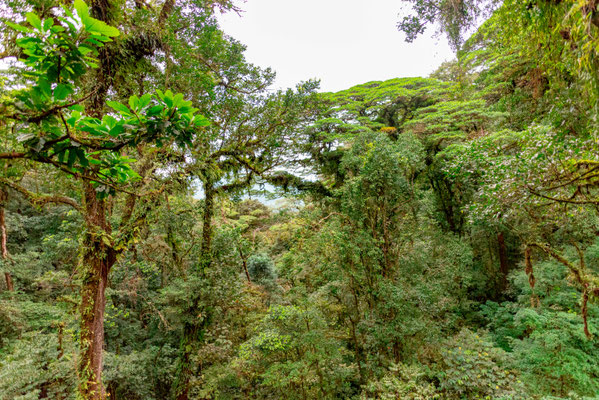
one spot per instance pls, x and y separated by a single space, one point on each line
9 284
3 239
97 259
97 254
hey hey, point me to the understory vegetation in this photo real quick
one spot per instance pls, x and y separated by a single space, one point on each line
173 228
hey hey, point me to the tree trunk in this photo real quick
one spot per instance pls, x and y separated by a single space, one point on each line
503 260
245 264
206 247
3 239
199 317
97 254
9 285
97 259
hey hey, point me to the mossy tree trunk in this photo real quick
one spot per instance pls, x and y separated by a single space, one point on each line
4 238
98 257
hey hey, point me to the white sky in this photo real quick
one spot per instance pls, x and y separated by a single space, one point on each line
340 42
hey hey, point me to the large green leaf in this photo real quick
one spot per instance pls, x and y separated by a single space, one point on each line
155 110
34 20
93 25
119 107
62 91
82 158
18 27
144 100
81 8
48 23
44 86
134 102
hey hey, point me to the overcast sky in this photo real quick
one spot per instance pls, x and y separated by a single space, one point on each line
340 42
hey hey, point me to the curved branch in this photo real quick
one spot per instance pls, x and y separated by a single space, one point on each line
576 271
38 118
41 200
587 284
558 200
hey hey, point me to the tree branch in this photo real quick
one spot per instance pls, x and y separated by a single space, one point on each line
41 200
12 155
588 287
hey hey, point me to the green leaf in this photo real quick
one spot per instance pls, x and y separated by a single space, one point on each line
62 91
94 42
116 130
93 25
82 158
71 26
154 111
27 41
134 102
168 99
99 37
48 23
44 86
200 120
34 20
18 27
178 98
86 50
72 157
67 12
57 28
61 154
108 121
119 107
145 100
81 8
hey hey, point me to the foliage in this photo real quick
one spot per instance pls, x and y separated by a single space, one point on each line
437 239
261 268
402 381
474 368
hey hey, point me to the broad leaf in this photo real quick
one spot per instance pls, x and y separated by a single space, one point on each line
18 27
134 102
119 107
62 91
154 111
81 8
34 20
93 25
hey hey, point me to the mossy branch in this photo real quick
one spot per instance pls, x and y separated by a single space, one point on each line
288 181
40 200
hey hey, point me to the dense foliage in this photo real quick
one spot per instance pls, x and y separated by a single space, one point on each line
172 228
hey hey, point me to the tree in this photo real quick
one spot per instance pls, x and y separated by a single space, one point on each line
453 17
53 131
